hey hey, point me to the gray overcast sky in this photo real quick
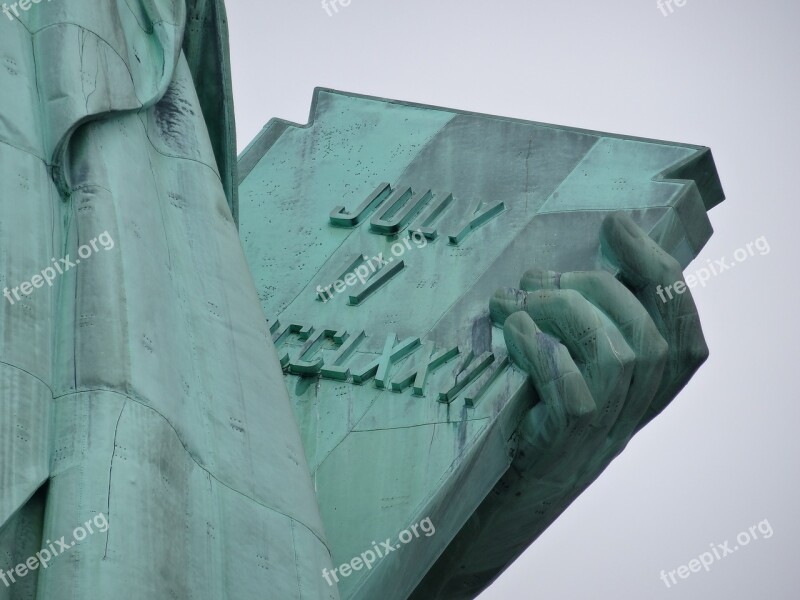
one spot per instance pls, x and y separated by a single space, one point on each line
725 456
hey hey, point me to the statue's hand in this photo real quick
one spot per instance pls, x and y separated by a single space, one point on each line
605 355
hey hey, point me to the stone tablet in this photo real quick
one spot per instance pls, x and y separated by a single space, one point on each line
376 236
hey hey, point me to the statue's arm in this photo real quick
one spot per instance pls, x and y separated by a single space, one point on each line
604 358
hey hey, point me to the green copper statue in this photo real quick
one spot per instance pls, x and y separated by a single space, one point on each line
379 235
373 358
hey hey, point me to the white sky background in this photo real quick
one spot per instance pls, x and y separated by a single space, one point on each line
722 74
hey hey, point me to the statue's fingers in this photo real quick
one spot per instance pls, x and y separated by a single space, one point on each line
504 303
507 301
640 332
559 422
656 279
597 346
538 279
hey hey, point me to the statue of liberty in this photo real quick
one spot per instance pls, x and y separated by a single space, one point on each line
140 388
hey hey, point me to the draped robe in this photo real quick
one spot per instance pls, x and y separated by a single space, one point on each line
142 384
